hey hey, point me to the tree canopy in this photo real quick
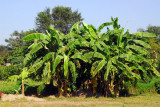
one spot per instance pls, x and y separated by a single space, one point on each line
17 48
154 43
61 18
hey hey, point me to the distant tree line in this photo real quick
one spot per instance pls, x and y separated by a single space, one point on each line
61 18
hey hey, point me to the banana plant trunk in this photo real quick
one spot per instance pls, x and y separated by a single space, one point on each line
65 87
60 86
23 88
60 89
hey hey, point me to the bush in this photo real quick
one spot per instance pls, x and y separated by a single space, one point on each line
157 85
6 71
153 86
9 87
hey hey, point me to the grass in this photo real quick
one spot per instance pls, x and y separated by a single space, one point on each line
147 100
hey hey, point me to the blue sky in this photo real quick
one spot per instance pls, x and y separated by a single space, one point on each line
133 14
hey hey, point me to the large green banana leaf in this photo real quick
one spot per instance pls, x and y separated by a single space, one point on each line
34 36
103 25
144 34
66 61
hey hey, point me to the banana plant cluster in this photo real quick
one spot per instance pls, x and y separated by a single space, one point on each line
114 56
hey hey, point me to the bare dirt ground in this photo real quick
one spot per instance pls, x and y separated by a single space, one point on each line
11 97
31 100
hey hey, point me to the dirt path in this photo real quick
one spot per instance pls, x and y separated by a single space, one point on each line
77 103
11 97
29 100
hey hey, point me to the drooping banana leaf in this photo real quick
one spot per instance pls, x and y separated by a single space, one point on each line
32 82
157 73
72 67
99 46
50 55
92 32
138 49
56 62
35 67
36 48
24 73
27 59
109 64
116 31
74 27
144 34
142 43
101 64
98 55
79 56
34 36
47 73
127 70
66 61
13 78
130 57
104 25
120 36
85 26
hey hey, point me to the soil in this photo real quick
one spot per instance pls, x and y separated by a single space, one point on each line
30 100
11 97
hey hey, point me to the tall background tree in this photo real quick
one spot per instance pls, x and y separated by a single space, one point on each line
61 18
16 47
43 20
154 43
3 53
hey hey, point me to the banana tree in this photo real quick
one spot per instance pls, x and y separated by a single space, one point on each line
43 56
48 53
116 55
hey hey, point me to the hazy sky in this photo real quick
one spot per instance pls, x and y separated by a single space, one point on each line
133 14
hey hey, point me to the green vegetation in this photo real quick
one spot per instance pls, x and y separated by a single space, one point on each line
152 86
62 18
7 71
108 60
17 48
9 87
64 56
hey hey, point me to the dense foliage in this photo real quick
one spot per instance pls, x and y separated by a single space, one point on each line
7 71
62 18
88 59
8 87
3 54
16 47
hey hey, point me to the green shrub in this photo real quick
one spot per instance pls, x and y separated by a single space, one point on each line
6 71
9 87
157 85
153 86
